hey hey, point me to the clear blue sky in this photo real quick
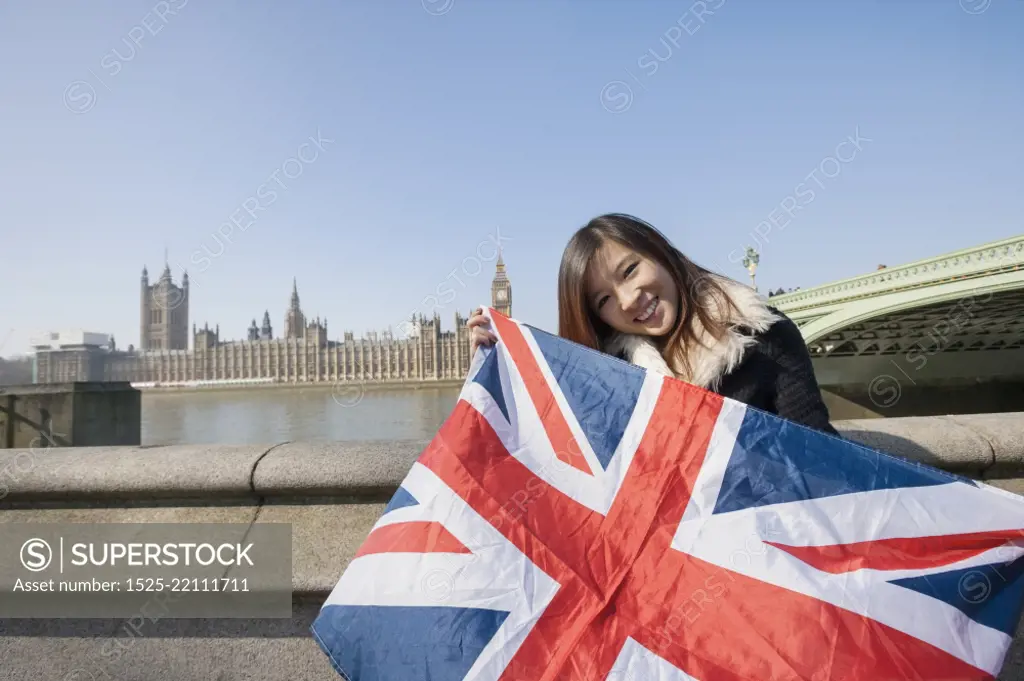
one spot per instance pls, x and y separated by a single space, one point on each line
450 125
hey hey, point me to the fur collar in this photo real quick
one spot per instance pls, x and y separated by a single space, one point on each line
710 359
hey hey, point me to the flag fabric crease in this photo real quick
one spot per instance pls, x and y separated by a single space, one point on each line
577 517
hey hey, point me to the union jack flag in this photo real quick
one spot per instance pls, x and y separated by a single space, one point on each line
577 517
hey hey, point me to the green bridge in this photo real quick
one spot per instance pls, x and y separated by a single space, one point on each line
888 339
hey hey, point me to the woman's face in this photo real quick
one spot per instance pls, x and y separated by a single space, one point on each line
630 292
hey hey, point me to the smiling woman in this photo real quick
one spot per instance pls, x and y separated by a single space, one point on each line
624 289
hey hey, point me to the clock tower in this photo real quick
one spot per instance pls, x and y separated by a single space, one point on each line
501 289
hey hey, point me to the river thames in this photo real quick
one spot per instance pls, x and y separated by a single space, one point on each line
272 415
311 413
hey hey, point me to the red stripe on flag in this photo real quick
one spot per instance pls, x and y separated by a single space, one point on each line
672 450
561 437
412 537
677 436
470 458
552 530
719 625
900 553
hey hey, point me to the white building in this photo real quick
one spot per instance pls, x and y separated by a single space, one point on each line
71 340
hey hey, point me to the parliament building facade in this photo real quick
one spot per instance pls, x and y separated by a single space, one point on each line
303 355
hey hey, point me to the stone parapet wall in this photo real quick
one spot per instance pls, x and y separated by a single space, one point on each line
976 445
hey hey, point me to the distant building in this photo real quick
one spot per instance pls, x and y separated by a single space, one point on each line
265 332
65 356
164 313
304 355
501 290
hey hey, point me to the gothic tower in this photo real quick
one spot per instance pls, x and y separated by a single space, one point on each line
266 331
164 313
294 320
501 289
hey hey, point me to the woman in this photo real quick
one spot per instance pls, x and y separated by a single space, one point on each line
625 290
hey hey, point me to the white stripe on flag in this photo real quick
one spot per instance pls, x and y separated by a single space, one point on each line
636 663
937 510
709 480
495 576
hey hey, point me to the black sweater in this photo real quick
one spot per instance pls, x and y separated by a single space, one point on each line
776 376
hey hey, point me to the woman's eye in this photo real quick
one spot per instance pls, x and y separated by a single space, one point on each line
630 269
601 302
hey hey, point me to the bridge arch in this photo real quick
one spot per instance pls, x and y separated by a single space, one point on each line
957 317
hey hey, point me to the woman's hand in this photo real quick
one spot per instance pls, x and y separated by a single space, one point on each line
481 335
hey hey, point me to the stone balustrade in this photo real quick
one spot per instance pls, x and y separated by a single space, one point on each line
331 494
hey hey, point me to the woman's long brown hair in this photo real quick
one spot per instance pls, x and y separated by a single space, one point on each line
698 289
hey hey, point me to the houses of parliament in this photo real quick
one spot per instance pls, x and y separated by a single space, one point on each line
304 354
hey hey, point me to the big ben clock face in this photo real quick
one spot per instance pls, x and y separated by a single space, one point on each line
501 296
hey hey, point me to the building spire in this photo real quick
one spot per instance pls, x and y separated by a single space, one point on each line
499 269
294 320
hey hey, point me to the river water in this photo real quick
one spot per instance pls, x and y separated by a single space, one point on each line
272 415
312 413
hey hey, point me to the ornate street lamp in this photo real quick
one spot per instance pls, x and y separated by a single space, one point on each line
750 262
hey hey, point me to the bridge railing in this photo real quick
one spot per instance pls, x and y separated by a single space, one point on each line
980 261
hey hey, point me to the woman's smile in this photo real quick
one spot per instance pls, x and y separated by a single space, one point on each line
648 311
